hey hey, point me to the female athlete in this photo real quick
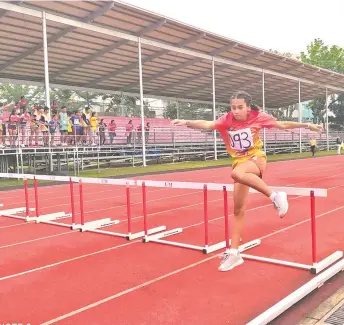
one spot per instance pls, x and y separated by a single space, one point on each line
239 129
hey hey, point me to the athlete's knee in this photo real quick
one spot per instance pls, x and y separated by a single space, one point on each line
237 175
239 210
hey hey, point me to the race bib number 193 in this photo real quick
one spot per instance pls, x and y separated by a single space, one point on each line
241 140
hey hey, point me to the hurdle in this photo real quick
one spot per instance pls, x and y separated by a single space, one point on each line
158 234
206 249
49 218
273 312
316 266
95 226
12 213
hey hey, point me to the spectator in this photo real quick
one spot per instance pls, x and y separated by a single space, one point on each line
112 131
2 135
70 139
12 128
76 126
23 103
93 130
147 132
63 121
339 144
139 133
44 126
34 128
53 123
102 127
313 144
24 118
129 131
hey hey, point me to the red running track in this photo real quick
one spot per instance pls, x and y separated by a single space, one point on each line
85 278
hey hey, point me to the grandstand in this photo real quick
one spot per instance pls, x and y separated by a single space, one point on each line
144 55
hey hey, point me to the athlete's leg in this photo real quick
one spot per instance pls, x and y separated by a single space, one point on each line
232 258
248 173
240 197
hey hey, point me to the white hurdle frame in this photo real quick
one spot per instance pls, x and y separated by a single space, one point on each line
94 226
11 213
316 266
267 316
153 235
206 249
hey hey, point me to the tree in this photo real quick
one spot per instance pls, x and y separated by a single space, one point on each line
189 111
331 58
337 107
13 92
323 56
122 105
319 110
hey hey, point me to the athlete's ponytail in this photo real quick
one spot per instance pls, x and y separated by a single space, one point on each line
247 98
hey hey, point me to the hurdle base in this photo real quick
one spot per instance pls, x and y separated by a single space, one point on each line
326 262
52 216
276 261
53 223
142 233
93 225
75 226
157 238
11 213
284 304
315 268
216 247
28 219
171 232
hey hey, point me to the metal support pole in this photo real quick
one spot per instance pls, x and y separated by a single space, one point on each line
177 106
46 65
300 117
142 110
327 139
263 96
214 107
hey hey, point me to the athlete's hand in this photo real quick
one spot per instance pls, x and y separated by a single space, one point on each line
179 122
315 127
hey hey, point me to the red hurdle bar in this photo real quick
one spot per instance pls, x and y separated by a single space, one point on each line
26 192
206 228
35 184
314 239
144 203
71 187
128 209
82 217
225 211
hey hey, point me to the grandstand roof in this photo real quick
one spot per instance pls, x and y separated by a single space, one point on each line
94 45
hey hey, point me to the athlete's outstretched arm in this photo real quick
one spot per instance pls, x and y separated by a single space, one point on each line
197 124
296 125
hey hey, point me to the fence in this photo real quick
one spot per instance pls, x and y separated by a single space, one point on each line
164 145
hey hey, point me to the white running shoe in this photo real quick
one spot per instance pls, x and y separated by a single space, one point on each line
281 203
229 261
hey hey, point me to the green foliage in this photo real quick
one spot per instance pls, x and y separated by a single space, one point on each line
13 92
331 58
129 106
323 56
191 111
